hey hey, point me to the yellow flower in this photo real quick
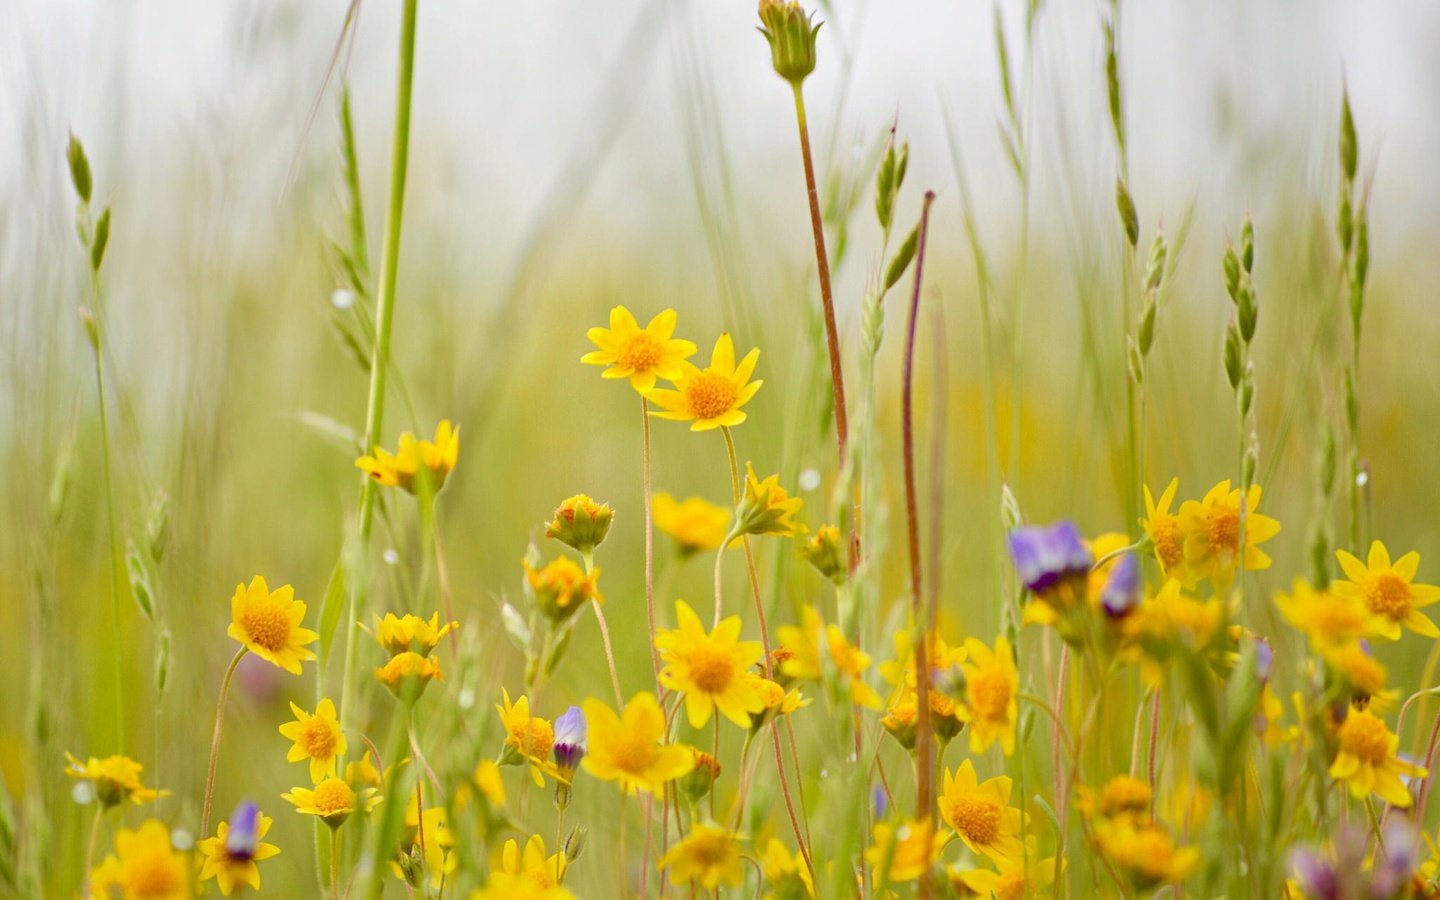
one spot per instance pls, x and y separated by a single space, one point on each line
1163 529
708 856
1367 760
766 507
268 624
317 738
333 800
116 779
437 458
144 866
1357 668
1271 712
991 686
1145 853
437 840
694 524
530 737
639 354
1019 878
801 648
710 669
531 866
1328 618
561 587
231 857
785 873
410 633
940 656
1211 529
775 701
1389 591
710 397
902 853
408 674
487 778
1123 797
823 551
581 523
517 887
980 813
1165 619
627 748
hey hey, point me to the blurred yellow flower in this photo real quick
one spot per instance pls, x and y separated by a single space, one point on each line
408 674
800 652
1327 618
710 669
639 354
561 587
1163 529
695 524
410 633
709 856
144 866
517 887
1017 878
711 397
991 688
437 458
332 800
626 747
1211 529
439 859
268 624
531 865
767 508
1357 669
487 778
981 814
901 852
823 551
317 738
530 737
1388 590
116 779
232 856
1367 759
774 699
1145 853
786 874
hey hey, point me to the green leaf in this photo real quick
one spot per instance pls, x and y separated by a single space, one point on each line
333 604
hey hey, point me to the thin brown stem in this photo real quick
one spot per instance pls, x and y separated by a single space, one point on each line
1429 778
609 656
924 780
215 740
649 550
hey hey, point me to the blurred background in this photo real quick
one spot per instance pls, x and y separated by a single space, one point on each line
569 157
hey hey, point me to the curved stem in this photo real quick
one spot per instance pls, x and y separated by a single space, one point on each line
609 656
215 740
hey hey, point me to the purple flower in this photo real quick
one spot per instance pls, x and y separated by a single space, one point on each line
569 740
1315 874
1046 555
1121 593
878 802
1264 658
241 835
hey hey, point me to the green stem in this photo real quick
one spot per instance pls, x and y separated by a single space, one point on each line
117 566
215 740
380 360
392 810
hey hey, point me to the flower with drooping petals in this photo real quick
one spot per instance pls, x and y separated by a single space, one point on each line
435 459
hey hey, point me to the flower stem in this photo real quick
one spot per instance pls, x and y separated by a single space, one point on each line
215 741
335 861
117 566
649 548
385 315
94 841
609 656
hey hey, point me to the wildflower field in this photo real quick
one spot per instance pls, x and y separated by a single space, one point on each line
963 501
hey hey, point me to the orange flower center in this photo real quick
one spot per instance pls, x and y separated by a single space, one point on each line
1224 529
990 695
1364 736
632 753
711 668
1168 546
153 874
977 817
1011 886
708 850
332 796
267 622
1388 595
534 737
639 352
709 394
317 738
1124 795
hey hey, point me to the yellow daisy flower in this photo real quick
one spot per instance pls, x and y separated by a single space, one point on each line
1145 853
531 865
800 656
410 633
1388 590
333 800
1211 529
517 887
1357 668
1122 797
711 397
695 524
767 508
910 848
1019 878
530 737
268 624
1367 760
232 856
317 738
709 856
437 458
785 873
710 669
991 687
639 354
116 779
144 866
774 699
1163 529
626 748
561 587
981 814
1329 619
408 674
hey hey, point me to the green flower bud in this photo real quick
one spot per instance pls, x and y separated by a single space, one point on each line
1232 355
792 38
822 550
581 523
